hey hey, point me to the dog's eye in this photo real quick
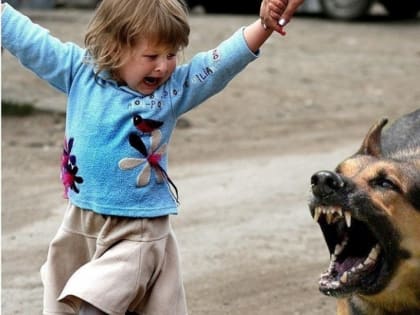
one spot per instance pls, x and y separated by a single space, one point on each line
385 183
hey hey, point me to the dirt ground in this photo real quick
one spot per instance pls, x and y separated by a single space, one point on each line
242 161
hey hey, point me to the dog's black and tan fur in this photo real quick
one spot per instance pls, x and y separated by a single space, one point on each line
369 212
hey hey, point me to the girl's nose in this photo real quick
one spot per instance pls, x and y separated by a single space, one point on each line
162 65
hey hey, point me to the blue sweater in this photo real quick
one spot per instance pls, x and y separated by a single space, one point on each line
110 164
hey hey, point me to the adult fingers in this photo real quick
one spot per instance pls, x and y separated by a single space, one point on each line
291 8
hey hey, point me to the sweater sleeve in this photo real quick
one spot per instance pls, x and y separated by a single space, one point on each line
38 50
209 72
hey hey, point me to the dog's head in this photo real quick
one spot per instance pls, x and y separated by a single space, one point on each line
369 212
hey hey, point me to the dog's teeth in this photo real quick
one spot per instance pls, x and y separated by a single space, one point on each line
360 266
335 284
374 253
317 213
347 215
323 275
338 249
331 265
332 213
368 261
329 216
343 278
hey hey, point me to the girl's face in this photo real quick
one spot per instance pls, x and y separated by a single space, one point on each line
147 67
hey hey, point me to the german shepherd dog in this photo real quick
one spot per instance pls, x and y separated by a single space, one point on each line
369 213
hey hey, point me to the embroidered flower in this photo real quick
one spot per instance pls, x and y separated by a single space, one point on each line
69 169
152 158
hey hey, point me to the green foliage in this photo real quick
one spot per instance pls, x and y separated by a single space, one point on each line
12 108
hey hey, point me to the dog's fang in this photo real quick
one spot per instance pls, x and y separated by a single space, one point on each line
338 249
347 215
374 253
317 214
373 256
343 278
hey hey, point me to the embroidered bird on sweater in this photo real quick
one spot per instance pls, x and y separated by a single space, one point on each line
146 125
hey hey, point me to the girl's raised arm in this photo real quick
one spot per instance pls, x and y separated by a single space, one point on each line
39 51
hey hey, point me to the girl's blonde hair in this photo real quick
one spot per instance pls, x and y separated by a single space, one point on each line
118 25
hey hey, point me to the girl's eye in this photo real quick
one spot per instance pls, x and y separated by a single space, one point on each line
151 56
154 57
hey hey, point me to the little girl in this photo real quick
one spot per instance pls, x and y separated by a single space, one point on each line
115 252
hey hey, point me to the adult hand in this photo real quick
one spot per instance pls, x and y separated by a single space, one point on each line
275 14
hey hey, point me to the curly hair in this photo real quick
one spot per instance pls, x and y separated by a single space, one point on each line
119 25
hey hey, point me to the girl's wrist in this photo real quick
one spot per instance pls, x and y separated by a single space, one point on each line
256 35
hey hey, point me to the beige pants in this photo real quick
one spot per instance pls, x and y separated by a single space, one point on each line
116 264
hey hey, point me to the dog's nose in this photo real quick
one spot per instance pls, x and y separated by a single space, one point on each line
325 183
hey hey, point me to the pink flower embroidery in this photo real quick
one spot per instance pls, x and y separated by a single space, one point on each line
69 169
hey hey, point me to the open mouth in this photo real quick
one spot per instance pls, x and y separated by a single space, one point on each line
151 81
356 256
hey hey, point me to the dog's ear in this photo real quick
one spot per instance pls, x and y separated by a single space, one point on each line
372 143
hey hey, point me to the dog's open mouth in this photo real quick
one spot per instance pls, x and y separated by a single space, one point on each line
356 254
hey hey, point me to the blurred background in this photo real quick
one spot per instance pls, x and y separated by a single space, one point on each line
242 161
335 9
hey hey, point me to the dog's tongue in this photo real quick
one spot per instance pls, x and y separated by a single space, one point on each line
348 263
